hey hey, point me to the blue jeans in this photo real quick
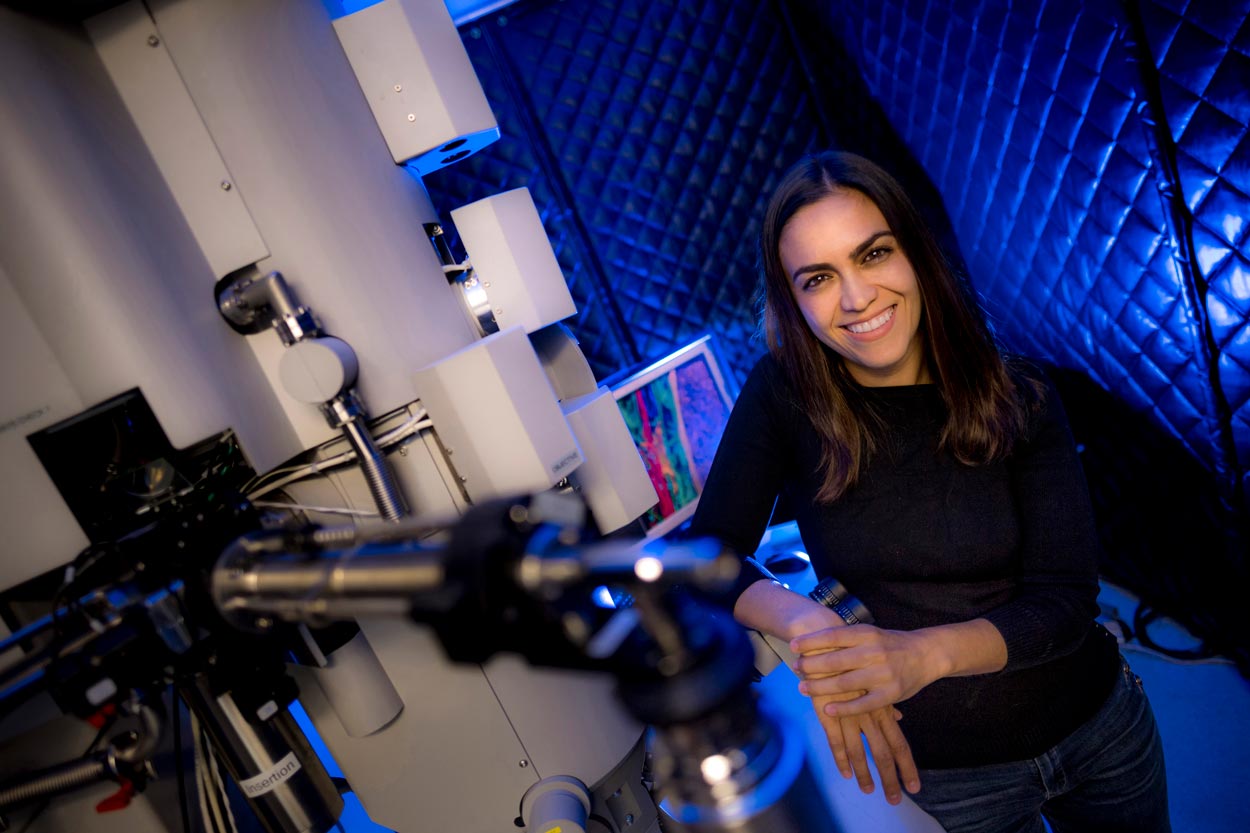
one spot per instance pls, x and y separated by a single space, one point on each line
1107 777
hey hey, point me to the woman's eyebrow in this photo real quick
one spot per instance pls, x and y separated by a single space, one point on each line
867 244
855 253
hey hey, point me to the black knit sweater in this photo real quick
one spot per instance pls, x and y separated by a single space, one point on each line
924 540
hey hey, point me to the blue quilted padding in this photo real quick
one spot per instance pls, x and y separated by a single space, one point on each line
1202 51
657 128
1030 122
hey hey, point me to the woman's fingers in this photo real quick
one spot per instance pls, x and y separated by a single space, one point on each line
864 679
852 732
829 639
882 756
900 749
837 742
827 663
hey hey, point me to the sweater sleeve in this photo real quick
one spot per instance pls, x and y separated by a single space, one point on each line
1057 598
748 470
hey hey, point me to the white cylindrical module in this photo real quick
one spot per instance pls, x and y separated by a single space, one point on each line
556 803
358 689
316 370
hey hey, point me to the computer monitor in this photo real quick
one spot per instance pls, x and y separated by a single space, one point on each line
676 409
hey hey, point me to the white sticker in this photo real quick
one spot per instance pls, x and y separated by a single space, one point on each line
268 710
279 774
102 691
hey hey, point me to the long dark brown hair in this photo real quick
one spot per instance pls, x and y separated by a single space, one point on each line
987 403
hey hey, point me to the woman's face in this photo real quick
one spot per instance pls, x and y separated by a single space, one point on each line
856 288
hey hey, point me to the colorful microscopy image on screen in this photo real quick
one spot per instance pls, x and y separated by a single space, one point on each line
676 421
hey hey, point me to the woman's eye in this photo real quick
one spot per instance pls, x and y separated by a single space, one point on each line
876 254
815 281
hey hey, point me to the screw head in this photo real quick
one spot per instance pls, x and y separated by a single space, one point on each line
412 117
225 185
153 40
523 763
399 87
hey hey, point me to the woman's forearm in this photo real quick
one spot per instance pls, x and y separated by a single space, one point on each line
963 649
770 608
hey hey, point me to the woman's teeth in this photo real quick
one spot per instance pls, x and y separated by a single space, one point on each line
873 323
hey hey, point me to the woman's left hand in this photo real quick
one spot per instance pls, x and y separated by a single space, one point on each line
889 666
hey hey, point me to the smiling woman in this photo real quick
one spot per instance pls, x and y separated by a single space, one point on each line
841 246
940 483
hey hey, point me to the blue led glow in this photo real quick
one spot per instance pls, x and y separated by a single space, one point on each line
461 11
342 8
602 596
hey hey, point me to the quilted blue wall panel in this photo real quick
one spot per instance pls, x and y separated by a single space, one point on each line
657 129
1202 52
1029 117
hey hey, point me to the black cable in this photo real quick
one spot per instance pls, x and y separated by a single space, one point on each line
1143 616
179 771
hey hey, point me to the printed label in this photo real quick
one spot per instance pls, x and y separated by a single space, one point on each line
20 420
279 774
566 461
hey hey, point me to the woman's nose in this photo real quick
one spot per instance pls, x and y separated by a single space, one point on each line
857 293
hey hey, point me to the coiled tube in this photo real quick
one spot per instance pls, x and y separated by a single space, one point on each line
54 781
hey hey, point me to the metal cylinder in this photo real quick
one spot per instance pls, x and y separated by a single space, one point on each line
270 759
833 594
53 781
760 785
336 575
382 485
556 803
